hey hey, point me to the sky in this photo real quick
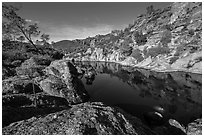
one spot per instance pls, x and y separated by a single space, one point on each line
79 20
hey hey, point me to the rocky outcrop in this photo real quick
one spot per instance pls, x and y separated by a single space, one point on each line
83 119
195 127
62 81
168 39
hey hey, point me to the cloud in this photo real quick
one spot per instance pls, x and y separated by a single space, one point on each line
71 32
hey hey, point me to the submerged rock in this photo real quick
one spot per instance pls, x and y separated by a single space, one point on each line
62 81
177 125
82 119
154 118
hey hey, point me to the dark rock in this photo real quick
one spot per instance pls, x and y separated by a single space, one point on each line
62 81
154 118
159 109
89 75
195 127
18 107
87 118
43 100
19 85
8 72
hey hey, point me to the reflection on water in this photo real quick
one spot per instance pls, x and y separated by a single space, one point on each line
138 91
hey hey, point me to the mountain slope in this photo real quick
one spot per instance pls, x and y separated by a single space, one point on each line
166 39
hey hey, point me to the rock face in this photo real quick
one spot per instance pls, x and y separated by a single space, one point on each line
195 127
168 39
62 81
82 119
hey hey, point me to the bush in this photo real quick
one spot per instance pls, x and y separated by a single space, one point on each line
125 48
166 37
191 32
140 38
150 9
153 52
179 50
173 59
136 53
57 55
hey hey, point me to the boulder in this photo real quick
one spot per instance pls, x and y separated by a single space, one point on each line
153 118
62 81
195 127
82 119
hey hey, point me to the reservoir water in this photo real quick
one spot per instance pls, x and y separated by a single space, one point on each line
138 91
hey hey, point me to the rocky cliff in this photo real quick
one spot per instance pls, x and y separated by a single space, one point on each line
166 39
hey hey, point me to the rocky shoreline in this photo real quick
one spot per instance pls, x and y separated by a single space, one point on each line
60 105
129 64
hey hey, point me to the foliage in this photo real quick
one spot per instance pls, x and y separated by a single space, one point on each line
153 52
17 24
136 53
140 38
191 32
173 59
150 9
166 37
125 48
21 38
45 38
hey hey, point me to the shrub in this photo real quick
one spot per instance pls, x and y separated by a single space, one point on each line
191 32
125 48
166 37
150 9
153 52
140 38
179 50
136 53
173 59
57 55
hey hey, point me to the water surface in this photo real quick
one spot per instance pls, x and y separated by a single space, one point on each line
139 91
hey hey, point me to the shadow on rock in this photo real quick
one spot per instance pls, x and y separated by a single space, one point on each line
86 118
18 107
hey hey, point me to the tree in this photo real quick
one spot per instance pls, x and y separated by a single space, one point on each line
140 38
45 38
8 32
21 38
150 9
18 24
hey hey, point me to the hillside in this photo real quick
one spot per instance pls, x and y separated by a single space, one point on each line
166 39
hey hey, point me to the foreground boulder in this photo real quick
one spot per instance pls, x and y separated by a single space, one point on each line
87 118
62 81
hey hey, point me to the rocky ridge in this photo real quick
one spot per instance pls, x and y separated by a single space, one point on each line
162 40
